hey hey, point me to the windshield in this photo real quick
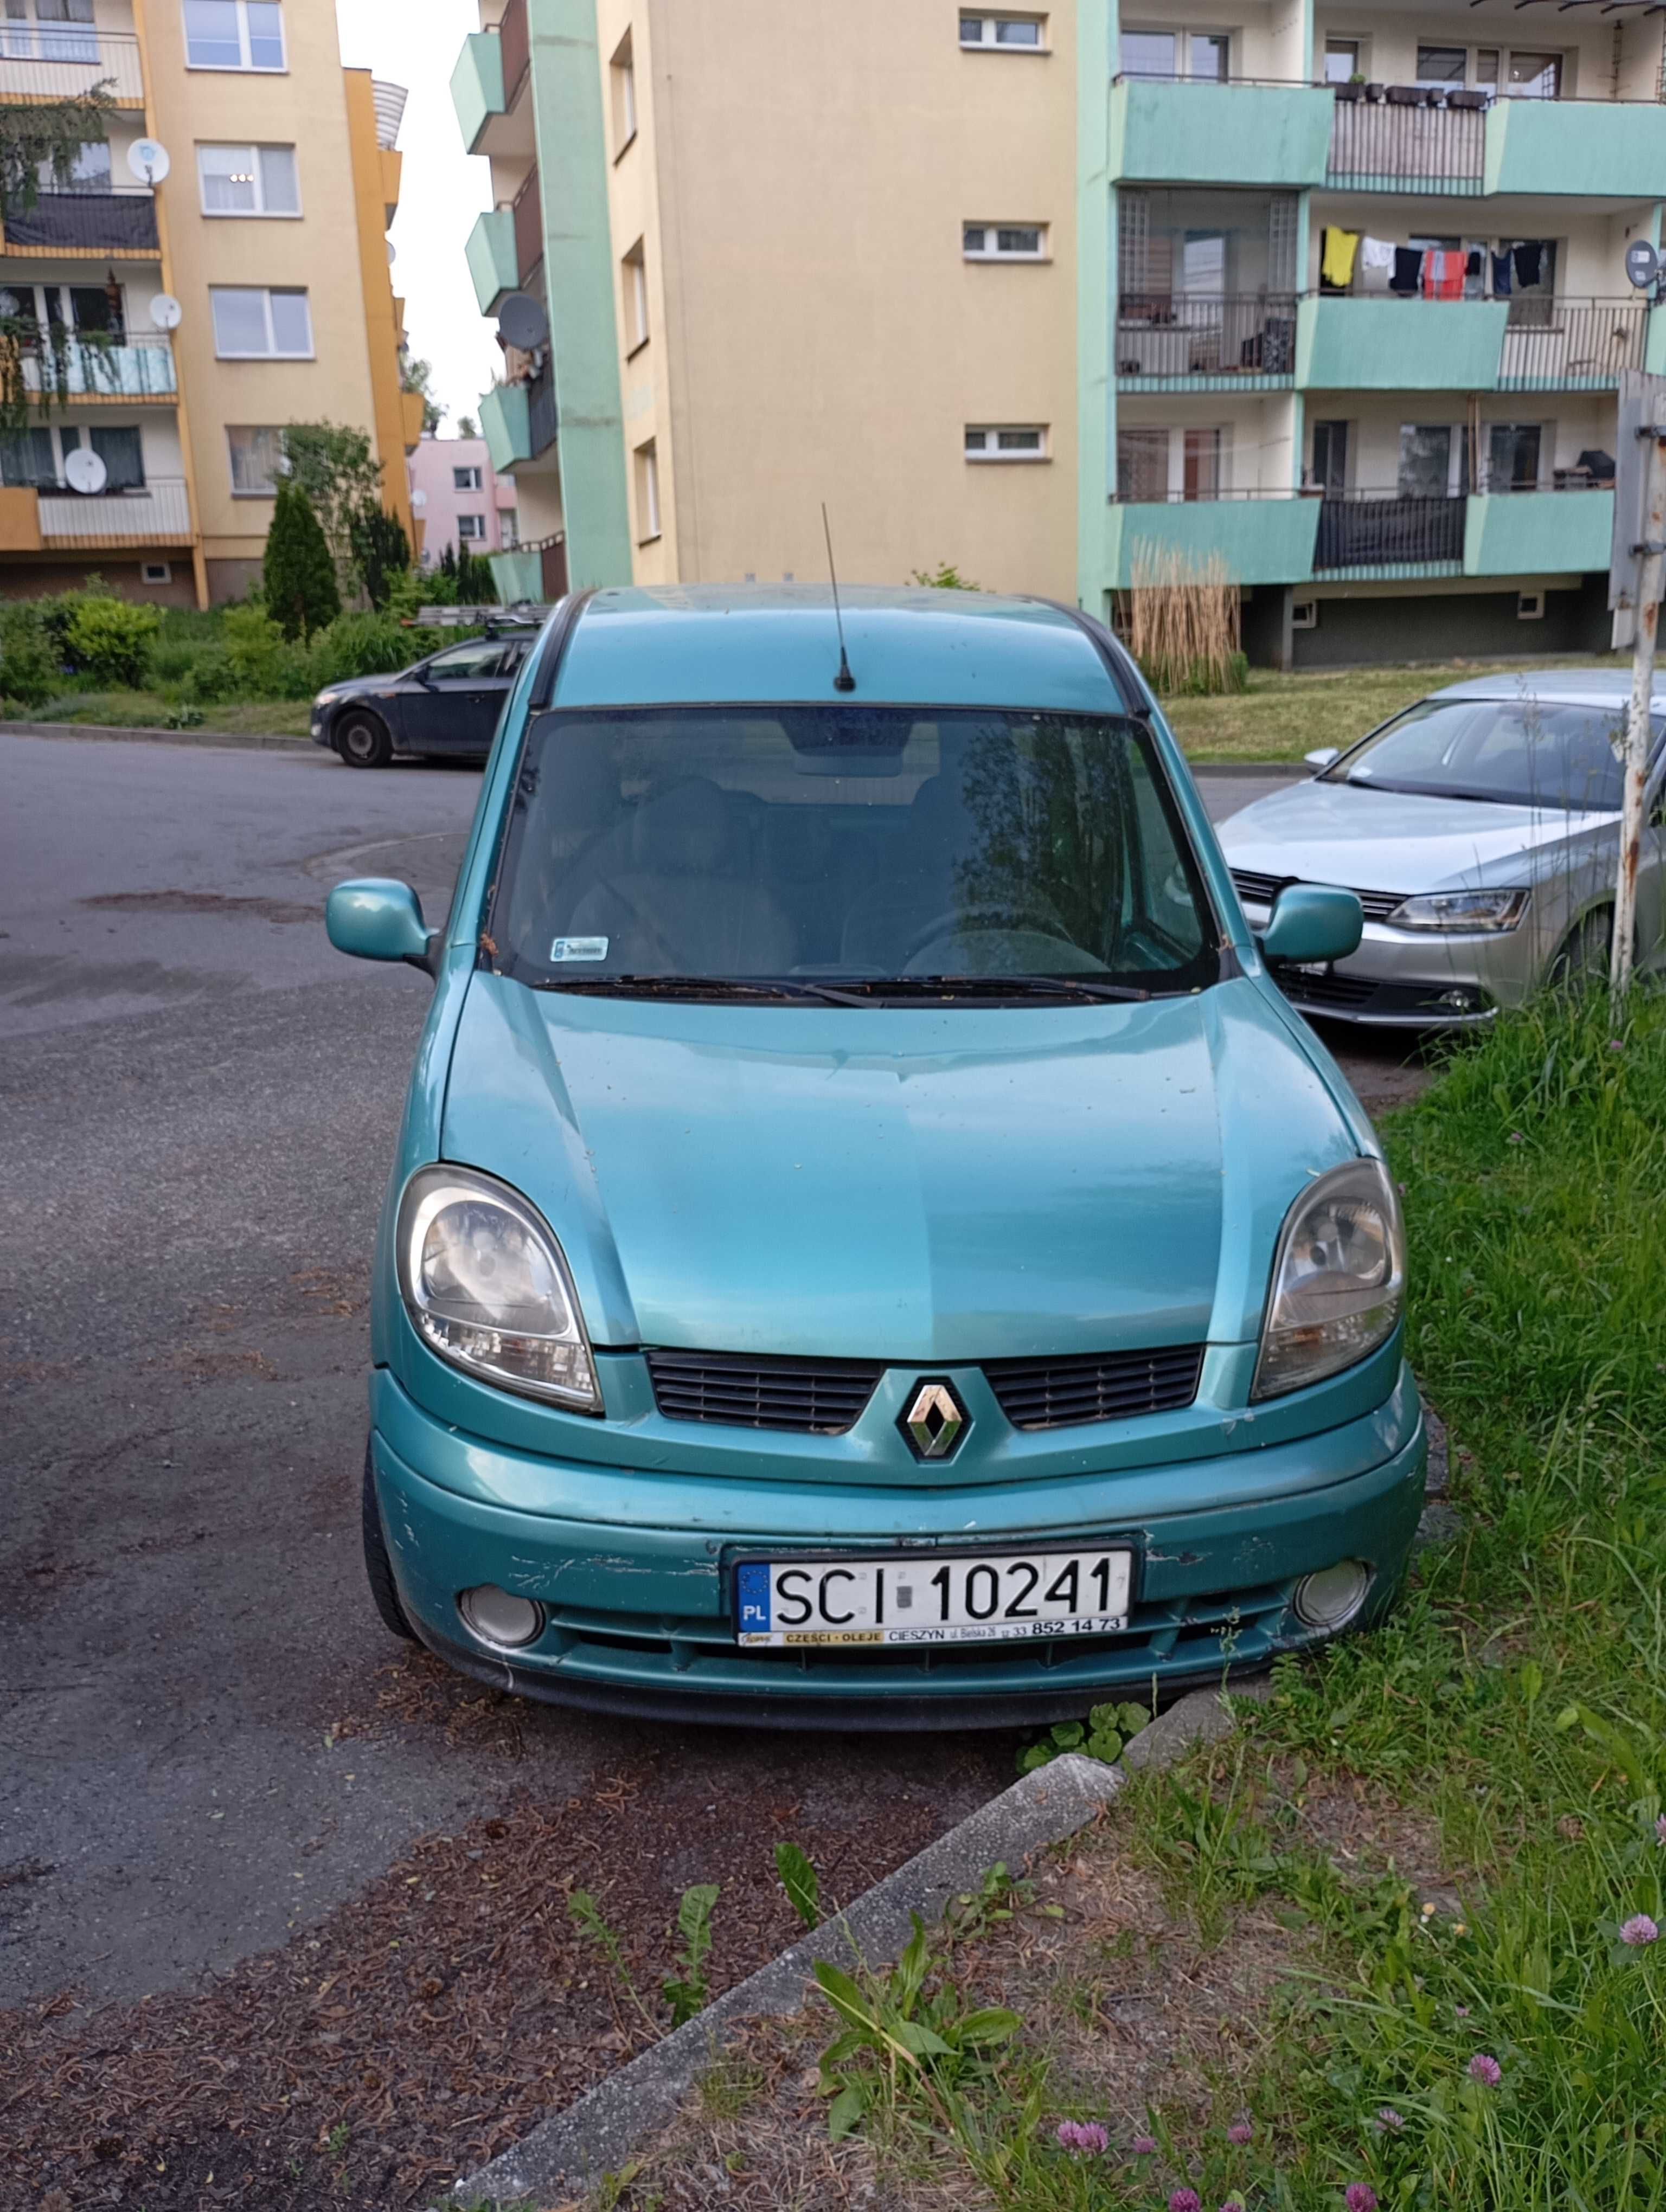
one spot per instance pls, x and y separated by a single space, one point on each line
1518 752
847 845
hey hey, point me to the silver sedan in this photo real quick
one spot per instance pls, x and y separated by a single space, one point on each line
1480 829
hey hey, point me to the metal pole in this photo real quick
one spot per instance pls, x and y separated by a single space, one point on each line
1640 721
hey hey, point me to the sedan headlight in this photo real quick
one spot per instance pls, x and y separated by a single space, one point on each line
1461 910
487 1288
1339 1281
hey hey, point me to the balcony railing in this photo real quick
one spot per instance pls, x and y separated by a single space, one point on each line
1555 344
138 368
1393 142
517 52
527 208
155 514
85 223
62 61
1365 529
542 421
1164 338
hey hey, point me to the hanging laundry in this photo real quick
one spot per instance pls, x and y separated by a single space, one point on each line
1502 267
1529 257
1375 263
1336 264
1472 264
1408 269
1443 274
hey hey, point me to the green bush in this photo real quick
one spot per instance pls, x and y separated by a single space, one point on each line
29 672
211 676
359 645
300 574
263 662
111 640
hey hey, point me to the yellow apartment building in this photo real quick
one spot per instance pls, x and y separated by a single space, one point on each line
174 315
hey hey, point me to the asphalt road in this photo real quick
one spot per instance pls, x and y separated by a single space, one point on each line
199 1102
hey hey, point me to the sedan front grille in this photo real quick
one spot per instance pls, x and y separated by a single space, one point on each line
1102 1386
1263 890
815 1397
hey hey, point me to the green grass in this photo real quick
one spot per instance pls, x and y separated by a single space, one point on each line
1280 718
150 710
1513 1708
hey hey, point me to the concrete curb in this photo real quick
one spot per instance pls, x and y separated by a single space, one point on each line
231 740
576 2148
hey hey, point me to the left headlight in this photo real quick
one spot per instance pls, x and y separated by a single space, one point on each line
486 1287
1460 910
1339 1281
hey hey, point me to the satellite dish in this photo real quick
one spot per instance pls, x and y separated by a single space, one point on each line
522 321
1642 263
85 471
392 252
166 312
147 158
419 499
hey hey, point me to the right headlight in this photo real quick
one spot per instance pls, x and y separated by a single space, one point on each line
486 1287
1339 1281
1471 912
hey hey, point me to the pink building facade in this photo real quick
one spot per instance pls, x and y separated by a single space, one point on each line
458 500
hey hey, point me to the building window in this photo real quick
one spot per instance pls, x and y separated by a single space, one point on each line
634 271
1008 35
467 480
647 493
1203 56
470 529
261 325
249 179
623 76
89 171
990 241
53 42
1165 463
1513 451
234 34
508 527
1331 456
156 571
1344 61
1142 464
255 458
1006 442
1508 72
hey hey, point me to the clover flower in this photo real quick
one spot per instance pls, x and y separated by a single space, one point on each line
1143 2145
1082 2135
1660 1829
1185 2200
1640 1929
1483 2067
1241 2131
1361 2197
1389 2120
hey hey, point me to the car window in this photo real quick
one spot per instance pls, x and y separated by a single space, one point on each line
481 656
1518 752
871 843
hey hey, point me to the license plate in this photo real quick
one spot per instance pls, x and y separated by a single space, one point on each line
975 1598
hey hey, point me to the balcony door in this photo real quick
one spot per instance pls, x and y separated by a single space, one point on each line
1331 457
49 31
1203 56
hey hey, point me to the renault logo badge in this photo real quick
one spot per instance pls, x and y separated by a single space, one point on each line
934 1422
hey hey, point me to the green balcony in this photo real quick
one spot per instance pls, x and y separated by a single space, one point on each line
1536 533
506 424
1258 541
519 577
1399 345
1596 148
476 87
1177 132
491 258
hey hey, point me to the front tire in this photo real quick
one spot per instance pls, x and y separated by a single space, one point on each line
378 1567
364 741
1583 962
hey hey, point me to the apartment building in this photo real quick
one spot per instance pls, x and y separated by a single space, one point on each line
1329 297
461 502
268 230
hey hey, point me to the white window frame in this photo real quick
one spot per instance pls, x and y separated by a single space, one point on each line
989 40
1183 34
251 428
246 67
633 271
648 518
265 292
622 78
992 249
991 453
471 537
259 212
469 477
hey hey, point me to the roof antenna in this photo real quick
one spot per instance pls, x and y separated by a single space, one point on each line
844 681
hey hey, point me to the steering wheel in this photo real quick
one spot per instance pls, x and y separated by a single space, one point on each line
957 924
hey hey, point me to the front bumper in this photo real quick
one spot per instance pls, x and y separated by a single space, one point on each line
634 1570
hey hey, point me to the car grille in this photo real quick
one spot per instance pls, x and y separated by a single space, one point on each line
1263 890
818 1397
1111 1386
1351 992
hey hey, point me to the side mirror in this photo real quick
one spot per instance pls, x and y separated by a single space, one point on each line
1322 756
1310 922
377 919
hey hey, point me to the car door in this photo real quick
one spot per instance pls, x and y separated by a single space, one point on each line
450 704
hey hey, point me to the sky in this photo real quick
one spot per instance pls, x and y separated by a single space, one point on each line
416 43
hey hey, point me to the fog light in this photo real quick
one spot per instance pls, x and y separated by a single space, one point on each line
497 1616
1461 1000
1333 1596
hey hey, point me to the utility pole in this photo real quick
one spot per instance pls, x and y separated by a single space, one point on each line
1651 555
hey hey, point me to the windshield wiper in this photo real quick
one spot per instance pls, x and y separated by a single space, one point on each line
701 987
1048 986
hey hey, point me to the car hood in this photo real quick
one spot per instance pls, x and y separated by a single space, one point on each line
906 1184
1388 840
360 687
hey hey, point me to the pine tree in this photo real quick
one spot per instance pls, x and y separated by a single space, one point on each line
300 574
381 550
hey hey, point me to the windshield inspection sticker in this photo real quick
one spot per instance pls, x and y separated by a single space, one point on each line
580 948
